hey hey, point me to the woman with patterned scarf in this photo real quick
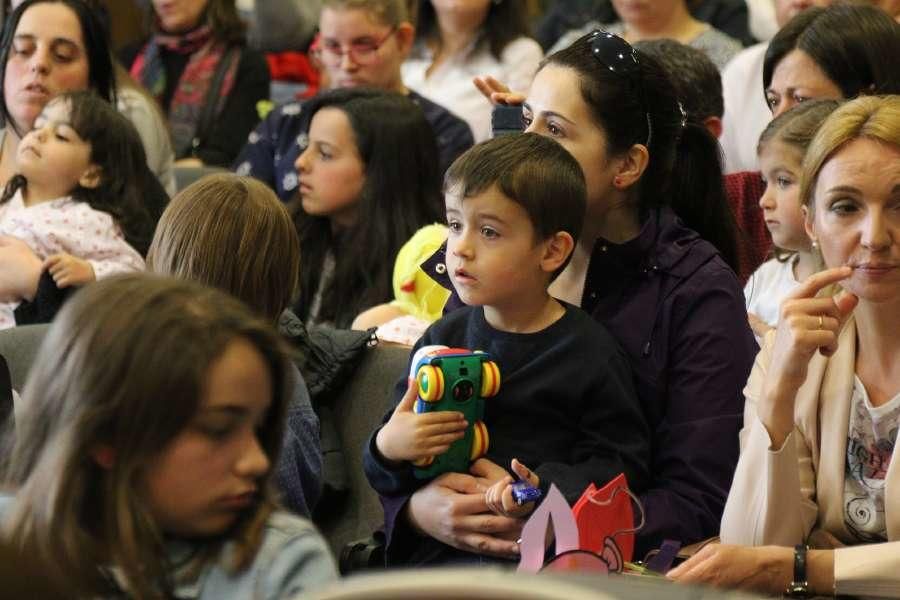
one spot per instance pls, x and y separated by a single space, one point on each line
197 64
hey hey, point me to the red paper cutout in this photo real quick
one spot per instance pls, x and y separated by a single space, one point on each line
606 513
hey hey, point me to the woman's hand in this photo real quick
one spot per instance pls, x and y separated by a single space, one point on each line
765 569
487 472
452 509
497 92
807 324
20 270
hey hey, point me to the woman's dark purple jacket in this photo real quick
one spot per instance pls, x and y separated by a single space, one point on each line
678 311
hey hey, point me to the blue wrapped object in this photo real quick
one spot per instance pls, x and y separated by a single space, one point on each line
523 493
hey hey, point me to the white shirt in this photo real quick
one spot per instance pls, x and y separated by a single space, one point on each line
70 226
870 446
767 288
450 84
746 112
762 19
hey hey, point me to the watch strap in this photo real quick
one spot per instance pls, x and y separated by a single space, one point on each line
799 587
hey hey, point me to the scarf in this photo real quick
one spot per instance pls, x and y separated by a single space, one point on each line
193 91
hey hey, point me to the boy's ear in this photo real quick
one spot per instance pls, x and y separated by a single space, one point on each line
104 455
90 179
557 249
632 165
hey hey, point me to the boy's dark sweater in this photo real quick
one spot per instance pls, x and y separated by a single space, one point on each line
567 407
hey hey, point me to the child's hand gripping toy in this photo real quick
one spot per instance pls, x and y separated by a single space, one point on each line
459 380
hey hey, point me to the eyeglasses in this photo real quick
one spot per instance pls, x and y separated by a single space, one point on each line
362 52
621 58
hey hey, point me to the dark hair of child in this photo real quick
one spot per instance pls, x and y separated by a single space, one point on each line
533 171
798 126
695 77
401 193
117 150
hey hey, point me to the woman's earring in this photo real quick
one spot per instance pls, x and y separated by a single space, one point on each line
815 245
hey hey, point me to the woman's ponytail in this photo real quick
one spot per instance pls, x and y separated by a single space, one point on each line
698 191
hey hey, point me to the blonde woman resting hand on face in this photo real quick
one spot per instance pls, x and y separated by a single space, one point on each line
823 400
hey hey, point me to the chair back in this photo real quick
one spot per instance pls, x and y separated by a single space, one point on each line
19 346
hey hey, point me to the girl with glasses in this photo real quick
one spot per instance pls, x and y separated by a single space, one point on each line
362 43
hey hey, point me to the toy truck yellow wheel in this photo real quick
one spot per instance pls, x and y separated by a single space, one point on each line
479 440
431 383
490 379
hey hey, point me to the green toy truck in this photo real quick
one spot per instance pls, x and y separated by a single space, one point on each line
460 380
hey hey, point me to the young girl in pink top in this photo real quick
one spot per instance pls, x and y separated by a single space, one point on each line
74 200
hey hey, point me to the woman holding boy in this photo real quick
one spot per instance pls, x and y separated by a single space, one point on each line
654 266
566 412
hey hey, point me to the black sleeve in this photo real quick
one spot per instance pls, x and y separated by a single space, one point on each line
46 302
614 435
386 479
239 116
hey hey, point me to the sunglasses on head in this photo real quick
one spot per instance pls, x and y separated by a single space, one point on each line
621 58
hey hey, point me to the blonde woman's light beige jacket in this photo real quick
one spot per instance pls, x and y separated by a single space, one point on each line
796 494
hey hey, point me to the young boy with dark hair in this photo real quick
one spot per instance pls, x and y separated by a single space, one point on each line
567 412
